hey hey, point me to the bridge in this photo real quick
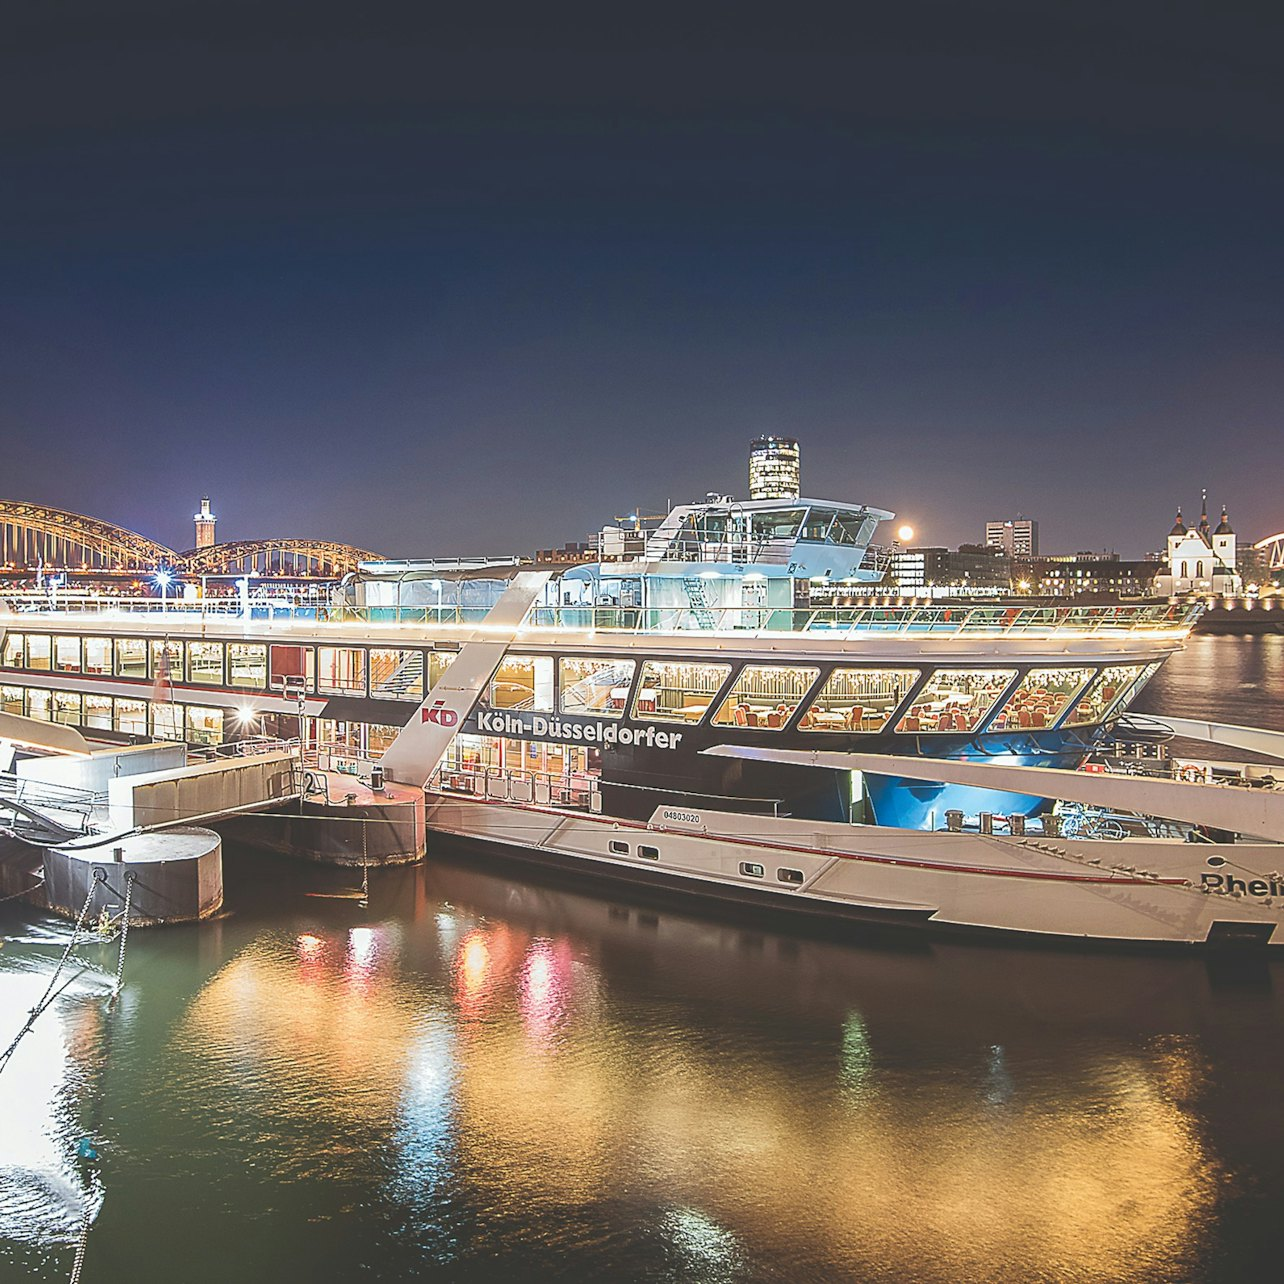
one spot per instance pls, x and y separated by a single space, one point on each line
34 534
275 557
1273 547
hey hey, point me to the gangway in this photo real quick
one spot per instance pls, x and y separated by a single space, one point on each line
1235 810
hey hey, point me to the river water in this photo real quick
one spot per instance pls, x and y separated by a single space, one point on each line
485 1075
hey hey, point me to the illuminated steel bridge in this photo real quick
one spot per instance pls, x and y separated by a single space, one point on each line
274 557
34 534
1273 547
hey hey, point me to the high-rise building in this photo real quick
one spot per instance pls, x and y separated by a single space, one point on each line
205 525
774 471
1018 537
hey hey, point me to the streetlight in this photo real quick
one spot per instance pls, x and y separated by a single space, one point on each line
163 579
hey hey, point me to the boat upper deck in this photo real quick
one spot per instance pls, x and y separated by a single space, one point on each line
961 630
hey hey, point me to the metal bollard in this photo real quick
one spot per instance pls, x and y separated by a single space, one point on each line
1016 825
987 822
1051 824
954 821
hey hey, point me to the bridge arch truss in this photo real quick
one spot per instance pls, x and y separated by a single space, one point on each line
274 557
1273 547
31 534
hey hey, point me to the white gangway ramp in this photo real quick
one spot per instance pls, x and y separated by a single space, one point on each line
1259 812
413 756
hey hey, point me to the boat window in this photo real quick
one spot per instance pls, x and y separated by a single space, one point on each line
98 711
955 699
592 686
341 670
778 525
848 528
649 853
438 662
205 663
38 703
205 725
619 848
794 876
172 668
750 870
67 654
673 691
98 655
858 699
522 682
1113 686
131 658
167 721
247 665
11 652
130 716
39 651
291 663
11 700
1042 696
816 527
765 696
66 707
396 674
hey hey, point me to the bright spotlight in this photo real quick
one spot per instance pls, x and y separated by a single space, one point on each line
904 533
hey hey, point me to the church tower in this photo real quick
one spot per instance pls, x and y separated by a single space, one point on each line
1175 538
1204 528
1224 542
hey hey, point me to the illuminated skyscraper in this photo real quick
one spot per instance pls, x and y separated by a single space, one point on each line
774 471
205 525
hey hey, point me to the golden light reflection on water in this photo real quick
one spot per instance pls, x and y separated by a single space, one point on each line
506 1051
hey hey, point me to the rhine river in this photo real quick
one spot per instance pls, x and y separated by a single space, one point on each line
486 1076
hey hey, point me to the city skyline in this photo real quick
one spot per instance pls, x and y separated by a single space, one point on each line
482 284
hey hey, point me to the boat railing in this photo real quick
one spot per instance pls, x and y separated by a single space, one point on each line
989 620
994 620
576 789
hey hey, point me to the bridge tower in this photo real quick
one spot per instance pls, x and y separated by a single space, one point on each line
205 521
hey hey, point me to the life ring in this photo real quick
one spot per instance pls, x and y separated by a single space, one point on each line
1192 775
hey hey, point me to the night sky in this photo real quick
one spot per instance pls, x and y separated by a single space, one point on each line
476 279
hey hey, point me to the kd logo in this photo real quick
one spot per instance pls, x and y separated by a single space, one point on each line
439 714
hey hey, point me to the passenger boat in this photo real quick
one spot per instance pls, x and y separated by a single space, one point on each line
683 716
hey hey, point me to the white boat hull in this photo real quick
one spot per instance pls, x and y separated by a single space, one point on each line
1138 891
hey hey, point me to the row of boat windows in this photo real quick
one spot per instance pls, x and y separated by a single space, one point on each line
197 724
165 720
764 697
383 672
849 699
748 868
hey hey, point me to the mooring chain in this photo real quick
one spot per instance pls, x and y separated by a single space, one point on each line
124 935
81 1245
45 998
86 1150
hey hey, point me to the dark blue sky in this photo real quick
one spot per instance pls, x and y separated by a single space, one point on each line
434 282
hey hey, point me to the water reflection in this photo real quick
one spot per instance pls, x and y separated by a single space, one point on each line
562 1060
